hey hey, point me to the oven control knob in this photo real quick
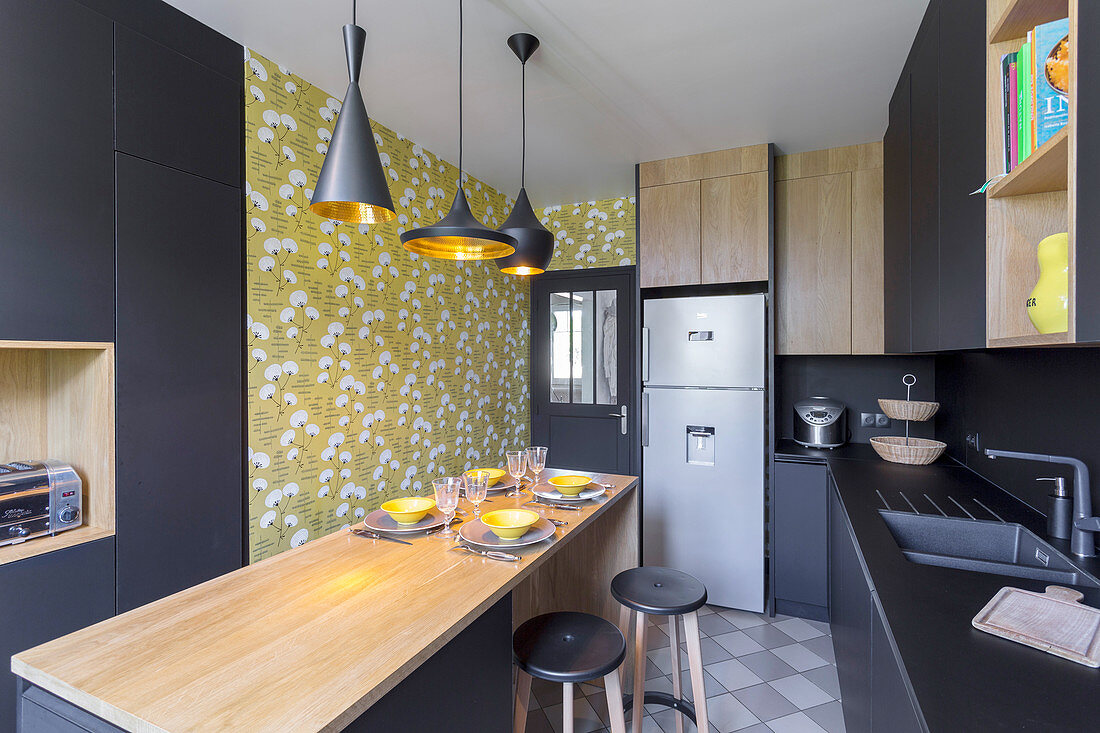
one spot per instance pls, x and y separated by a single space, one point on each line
67 514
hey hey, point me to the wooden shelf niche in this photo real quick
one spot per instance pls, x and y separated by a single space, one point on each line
1036 199
57 400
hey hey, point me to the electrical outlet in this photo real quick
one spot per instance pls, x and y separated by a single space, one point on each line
881 421
866 419
973 441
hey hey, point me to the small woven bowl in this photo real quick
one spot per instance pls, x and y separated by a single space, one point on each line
919 452
911 410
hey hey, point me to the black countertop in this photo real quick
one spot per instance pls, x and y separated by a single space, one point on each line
789 450
964 679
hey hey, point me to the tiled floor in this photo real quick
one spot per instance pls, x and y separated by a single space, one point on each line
761 674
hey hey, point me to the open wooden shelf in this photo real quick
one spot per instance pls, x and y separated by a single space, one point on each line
1047 169
57 400
1022 15
1039 339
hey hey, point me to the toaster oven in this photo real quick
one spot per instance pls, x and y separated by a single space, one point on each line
37 498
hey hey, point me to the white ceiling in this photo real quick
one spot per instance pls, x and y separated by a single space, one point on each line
615 81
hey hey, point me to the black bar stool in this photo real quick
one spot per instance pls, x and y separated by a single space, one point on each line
569 647
656 591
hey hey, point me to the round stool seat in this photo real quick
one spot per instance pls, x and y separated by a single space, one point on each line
658 591
568 646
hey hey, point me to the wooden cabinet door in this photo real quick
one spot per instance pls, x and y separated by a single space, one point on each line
668 235
867 242
813 263
734 239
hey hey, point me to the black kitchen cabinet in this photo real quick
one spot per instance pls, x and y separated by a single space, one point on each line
933 157
892 707
800 570
56 222
849 618
173 110
47 596
179 380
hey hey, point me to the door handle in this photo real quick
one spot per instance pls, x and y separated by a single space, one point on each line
645 354
622 418
645 419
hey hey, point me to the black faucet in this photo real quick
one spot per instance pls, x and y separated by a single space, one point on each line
1081 541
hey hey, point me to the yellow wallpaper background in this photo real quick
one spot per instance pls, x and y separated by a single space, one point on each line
592 233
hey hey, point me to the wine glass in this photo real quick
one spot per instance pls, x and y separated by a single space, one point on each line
477 488
517 467
446 498
536 460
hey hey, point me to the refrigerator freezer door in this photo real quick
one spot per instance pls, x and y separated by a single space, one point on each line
706 342
703 490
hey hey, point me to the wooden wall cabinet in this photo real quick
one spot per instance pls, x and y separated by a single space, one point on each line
829 251
705 218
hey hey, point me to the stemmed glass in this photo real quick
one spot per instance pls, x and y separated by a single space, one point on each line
536 460
446 498
477 488
517 467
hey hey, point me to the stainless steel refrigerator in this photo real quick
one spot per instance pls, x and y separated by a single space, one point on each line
703 438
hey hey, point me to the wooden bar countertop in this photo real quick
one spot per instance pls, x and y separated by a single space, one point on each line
306 640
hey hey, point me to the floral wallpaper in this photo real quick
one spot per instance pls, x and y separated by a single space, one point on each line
371 370
592 233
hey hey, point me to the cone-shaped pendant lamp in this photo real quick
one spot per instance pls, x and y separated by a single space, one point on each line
352 186
534 243
458 235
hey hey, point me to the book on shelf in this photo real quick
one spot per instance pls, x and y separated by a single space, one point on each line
1035 91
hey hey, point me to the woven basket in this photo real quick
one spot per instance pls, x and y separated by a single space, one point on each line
908 410
919 452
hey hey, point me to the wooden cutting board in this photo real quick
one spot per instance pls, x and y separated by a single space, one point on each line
1054 622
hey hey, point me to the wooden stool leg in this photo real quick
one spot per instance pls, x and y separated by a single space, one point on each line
639 671
695 664
567 707
674 644
523 701
624 628
613 691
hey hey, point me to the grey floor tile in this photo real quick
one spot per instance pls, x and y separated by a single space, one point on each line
765 702
733 674
655 638
768 636
537 722
710 650
549 693
744 619
728 714
714 624
825 678
758 728
799 657
659 684
800 691
737 643
767 666
663 659
795 723
822 646
829 716
821 626
798 629
707 609
585 719
712 686
651 669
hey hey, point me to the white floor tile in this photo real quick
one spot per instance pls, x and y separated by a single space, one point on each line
799 657
800 691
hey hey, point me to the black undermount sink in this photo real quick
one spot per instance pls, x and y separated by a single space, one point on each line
982 546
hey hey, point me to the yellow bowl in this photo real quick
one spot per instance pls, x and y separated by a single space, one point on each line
495 474
409 509
570 485
509 524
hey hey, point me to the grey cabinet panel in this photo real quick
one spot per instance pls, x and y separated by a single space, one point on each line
800 568
43 712
172 110
47 596
179 381
892 708
924 197
897 313
849 618
56 222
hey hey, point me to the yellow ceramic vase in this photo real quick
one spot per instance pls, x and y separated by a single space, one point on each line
1048 304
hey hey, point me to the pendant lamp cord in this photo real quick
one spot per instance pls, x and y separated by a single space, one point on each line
353 4
460 94
523 125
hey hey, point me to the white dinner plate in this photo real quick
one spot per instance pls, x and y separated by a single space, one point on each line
477 532
379 521
549 492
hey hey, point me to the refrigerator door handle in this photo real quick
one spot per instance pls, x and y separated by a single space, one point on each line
645 419
645 354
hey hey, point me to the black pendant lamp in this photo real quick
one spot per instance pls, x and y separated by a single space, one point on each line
352 186
458 235
534 243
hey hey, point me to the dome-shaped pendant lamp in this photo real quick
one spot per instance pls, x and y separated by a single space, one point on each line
534 243
458 235
351 186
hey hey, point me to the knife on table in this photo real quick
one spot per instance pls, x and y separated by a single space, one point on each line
377 536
